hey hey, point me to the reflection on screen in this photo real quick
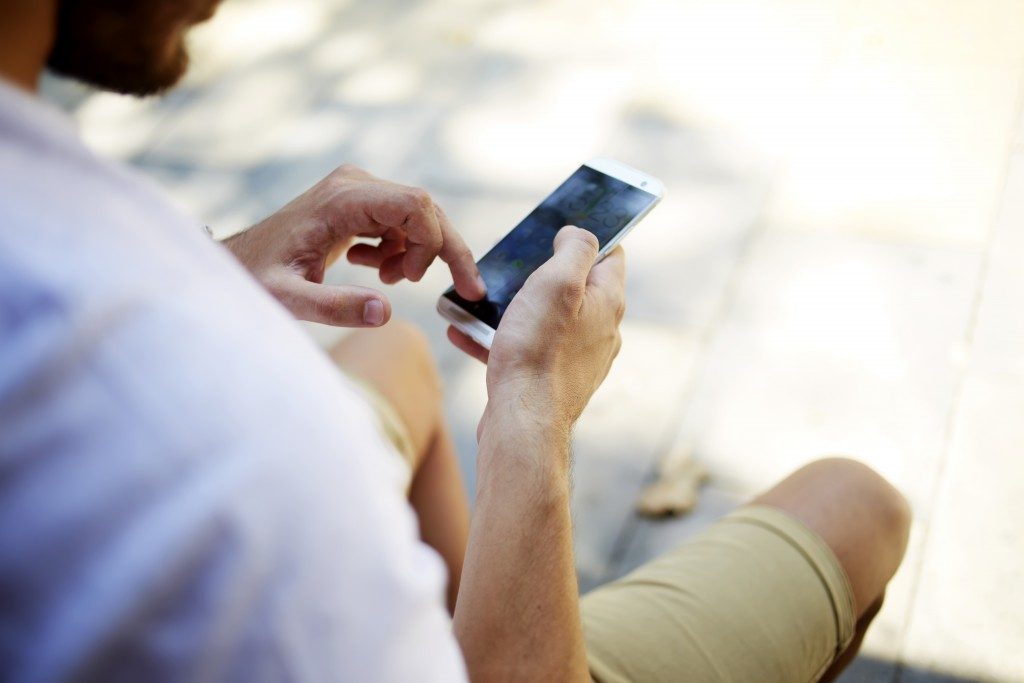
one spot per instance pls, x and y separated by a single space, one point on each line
588 199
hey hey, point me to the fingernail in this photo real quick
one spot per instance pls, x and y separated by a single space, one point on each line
373 312
480 283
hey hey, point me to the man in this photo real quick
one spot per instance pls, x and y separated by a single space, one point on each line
190 490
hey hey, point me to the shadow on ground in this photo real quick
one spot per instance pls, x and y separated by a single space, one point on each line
872 670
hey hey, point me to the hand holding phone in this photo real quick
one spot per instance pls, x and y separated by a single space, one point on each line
559 336
603 196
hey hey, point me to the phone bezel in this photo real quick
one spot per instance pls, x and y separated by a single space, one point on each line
481 332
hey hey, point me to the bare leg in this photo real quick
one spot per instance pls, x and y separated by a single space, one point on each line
862 518
396 360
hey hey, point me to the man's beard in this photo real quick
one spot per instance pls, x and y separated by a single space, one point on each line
135 47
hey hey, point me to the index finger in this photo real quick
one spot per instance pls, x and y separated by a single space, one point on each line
459 258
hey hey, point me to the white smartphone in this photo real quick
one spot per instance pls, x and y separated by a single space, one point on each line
604 196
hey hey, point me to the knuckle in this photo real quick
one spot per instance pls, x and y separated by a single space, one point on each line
347 170
589 238
326 309
431 243
565 284
556 289
420 198
462 253
570 291
616 299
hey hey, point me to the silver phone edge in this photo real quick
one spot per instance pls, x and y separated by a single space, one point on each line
478 330
614 242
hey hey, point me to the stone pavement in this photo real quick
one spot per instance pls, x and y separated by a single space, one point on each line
838 266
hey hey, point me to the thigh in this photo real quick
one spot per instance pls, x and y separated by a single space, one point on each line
396 362
757 597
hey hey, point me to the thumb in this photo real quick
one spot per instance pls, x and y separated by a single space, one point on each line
575 253
338 305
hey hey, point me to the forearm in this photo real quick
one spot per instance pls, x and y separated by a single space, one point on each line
517 616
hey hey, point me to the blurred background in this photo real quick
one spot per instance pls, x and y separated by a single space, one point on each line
838 266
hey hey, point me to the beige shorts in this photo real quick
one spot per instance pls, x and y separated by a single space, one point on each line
756 597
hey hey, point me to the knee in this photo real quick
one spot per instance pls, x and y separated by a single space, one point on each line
865 521
859 515
407 335
411 345
877 502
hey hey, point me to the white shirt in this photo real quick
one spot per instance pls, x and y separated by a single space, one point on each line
189 491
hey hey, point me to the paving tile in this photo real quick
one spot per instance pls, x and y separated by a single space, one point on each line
834 344
225 46
968 616
619 435
219 199
907 136
998 343
114 126
750 83
869 670
681 258
242 121
885 637
911 674
526 137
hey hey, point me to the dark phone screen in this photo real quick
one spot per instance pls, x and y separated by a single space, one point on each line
588 199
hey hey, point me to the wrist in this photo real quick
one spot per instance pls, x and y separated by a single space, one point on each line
522 444
247 247
524 416
532 395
